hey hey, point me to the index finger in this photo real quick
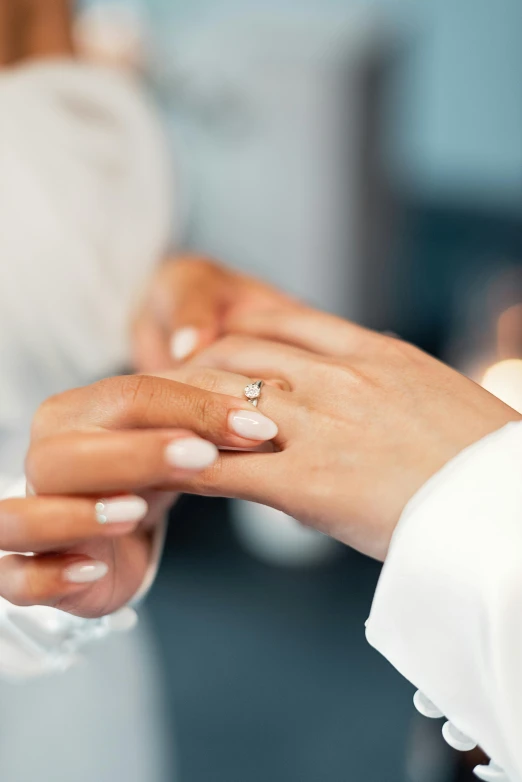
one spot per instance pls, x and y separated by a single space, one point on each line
143 402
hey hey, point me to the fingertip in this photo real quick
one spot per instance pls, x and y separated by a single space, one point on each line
85 572
191 453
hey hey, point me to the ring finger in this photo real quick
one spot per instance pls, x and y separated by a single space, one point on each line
275 399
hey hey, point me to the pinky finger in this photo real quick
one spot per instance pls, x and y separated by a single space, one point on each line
47 579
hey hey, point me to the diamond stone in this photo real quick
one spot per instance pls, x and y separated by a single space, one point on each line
252 391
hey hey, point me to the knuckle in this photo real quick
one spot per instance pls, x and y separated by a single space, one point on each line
26 587
201 265
35 462
399 349
352 377
207 379
45 417
136 394
206 411
132 388
194 268
20 581
32 593
12 524
348 376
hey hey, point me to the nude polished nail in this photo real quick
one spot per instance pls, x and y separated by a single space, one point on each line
183 342
191 453
85 572
121 510
251 425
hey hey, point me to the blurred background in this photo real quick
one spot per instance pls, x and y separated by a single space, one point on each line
366 156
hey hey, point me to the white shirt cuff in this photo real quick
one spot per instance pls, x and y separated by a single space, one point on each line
447 612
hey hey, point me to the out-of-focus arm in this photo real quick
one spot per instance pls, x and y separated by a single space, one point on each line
447 612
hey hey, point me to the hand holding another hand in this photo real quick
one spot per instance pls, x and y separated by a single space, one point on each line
187 306
105 463
364 421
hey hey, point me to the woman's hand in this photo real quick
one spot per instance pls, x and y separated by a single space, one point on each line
364 421
187 306
104 464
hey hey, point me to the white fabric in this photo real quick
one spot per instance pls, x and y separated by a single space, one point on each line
85 212
447 612
85 209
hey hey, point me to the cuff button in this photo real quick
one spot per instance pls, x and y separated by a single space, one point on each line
426 707
456 739
491 773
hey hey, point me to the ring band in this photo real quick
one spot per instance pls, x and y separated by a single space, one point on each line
253 392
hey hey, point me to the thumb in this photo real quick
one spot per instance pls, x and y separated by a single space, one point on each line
195 322
181 312
200 300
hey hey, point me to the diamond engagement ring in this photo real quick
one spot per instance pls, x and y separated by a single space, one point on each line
253 391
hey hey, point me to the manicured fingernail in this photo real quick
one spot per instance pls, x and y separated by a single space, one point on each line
85 572
183 342
120 510
122 620
252 426
191 453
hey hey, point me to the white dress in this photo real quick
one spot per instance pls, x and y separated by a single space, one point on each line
447 612
85 207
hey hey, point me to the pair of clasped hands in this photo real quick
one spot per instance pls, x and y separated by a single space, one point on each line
355 421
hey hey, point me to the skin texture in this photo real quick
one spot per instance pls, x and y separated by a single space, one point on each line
364 419
367 421
93 443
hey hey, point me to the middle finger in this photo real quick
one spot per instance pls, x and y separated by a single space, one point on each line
259 357
115 462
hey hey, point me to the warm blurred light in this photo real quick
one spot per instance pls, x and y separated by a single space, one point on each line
504 380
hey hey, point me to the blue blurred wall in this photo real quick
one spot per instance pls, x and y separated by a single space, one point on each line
460 137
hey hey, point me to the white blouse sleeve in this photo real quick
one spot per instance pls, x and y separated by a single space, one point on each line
447 612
